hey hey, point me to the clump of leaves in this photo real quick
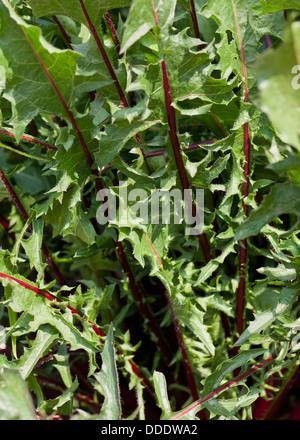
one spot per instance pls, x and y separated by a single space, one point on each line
143 321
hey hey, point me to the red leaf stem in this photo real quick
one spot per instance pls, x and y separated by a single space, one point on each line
113 33
62 29
195 22
107 61
240 307
177 153
186 362
70 114
30 139
96 329
123 259
176 146
104 55
224 387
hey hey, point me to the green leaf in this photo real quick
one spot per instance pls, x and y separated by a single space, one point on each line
160 386
264 320
67 217
214 380
39 312
283 198
66 398
35 387
229 407
29 89
108 379
141 19
193 318
13 318
278 81
268 6
280 272
72 8
15 400
32 247
62 365
116 137
239 17
44 338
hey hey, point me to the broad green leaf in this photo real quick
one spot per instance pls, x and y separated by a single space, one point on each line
141 19
280 272
264 319
215 379
213 264
191 75
15 400
63 404
283 198
192 317
39 312
108 379
278 81
116 137
268 6
72 8
44 338
67 217
240 19
206 174
151 243
140 177
229 407
29 89
71 163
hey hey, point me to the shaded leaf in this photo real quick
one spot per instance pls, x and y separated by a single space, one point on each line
283 198
15 400
108 379
264 319
278 81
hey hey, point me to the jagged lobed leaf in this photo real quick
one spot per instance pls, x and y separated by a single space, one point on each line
72 8
283 198
29 88
264 319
